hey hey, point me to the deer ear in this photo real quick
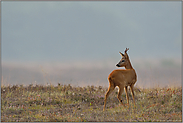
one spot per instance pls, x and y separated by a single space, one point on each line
122 54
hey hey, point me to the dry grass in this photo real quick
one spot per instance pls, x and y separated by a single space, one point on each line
67 103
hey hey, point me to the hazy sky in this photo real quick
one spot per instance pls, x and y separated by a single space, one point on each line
83 30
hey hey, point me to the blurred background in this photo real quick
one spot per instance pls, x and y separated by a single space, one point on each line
78 43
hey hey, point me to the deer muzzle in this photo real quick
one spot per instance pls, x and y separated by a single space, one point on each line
118 65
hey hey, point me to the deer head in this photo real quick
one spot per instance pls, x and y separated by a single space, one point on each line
124 62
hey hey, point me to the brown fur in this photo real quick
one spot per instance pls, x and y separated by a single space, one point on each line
122 78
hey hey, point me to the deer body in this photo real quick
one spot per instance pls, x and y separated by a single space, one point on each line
122 78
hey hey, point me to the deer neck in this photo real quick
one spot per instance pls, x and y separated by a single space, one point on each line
129 66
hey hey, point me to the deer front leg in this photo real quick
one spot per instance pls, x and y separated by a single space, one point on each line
126 91
131 88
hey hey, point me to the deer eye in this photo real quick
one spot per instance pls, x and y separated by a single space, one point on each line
123 61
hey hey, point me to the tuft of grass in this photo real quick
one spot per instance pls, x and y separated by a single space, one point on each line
66 103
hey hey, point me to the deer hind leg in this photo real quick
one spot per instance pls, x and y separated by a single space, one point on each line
121 88
131 88
126 91
110 89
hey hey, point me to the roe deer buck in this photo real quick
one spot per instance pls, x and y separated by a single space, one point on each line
122 78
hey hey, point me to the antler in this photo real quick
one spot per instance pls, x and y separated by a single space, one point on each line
126 50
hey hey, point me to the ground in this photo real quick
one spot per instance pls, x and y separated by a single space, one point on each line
69 103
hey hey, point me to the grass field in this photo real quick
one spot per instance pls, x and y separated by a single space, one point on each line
66 103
